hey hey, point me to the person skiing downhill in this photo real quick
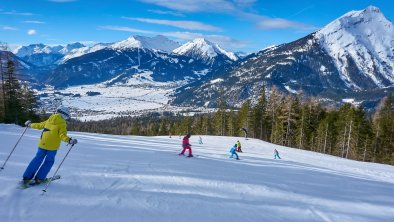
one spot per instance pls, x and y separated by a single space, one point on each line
276 154
239 146
233 152
186 145
54 131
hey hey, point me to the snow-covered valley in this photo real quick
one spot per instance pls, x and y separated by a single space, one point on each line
134 178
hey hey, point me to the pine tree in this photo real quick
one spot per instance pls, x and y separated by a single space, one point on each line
290 112
273 109
384 131
244 116
260 116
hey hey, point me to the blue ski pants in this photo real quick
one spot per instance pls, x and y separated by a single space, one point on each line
277 156
37 164
232 152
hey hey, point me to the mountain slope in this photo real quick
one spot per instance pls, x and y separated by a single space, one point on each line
106 64
365 40
154 43
350 57
206 51
142 179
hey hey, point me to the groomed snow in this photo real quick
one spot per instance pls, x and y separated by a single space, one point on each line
134 178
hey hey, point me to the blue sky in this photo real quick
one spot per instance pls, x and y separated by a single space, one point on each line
237 25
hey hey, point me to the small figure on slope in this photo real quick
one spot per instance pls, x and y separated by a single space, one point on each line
239 146
54 131
276 154
200 140
233 152
186 145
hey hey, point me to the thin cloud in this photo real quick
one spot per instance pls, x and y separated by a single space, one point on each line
236 8
195 5
162 12
189 25
126 29
224 41
8 28
33 22
13 12
32 32
279 23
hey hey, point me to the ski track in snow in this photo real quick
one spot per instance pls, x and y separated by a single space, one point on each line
135 178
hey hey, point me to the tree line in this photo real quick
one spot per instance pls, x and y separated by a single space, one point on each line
17 100
289 120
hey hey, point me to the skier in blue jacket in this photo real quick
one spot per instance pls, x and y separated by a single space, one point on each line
276 154
233 152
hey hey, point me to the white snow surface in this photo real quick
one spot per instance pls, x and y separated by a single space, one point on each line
82 51
138 95
135 178
367 37
204 49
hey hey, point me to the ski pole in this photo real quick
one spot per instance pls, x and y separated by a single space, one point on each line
2 168
45 190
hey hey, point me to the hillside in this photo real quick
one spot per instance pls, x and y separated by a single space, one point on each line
134 178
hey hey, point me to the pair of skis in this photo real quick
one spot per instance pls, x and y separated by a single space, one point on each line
33 183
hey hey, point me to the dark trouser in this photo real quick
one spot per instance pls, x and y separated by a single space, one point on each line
37 164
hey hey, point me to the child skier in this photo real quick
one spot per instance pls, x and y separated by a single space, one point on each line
186 145
276 154
239 146
54 131
233 152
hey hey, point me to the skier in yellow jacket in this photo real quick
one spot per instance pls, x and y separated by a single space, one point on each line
54 130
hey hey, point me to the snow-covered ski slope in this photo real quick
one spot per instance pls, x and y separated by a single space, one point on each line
134 178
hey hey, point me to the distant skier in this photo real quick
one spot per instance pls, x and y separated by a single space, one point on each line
54 131
233 152
246 132
186 145
276 154
200 140
239 146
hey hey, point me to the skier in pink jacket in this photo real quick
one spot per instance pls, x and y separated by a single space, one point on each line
186 145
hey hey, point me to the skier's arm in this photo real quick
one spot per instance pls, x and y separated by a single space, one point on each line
38 126
63 134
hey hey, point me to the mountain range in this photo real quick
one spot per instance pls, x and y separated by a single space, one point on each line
353 56
350 57
76 64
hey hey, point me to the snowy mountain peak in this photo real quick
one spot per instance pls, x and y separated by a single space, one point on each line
204 49
32 49
367 38
29 50
155 43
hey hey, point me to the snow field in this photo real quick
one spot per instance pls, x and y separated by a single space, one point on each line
134 178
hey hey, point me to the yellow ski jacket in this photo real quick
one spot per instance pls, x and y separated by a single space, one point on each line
54 131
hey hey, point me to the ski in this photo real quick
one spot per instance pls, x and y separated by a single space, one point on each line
33 183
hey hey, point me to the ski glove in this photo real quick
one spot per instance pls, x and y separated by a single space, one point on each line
28 123
72 141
